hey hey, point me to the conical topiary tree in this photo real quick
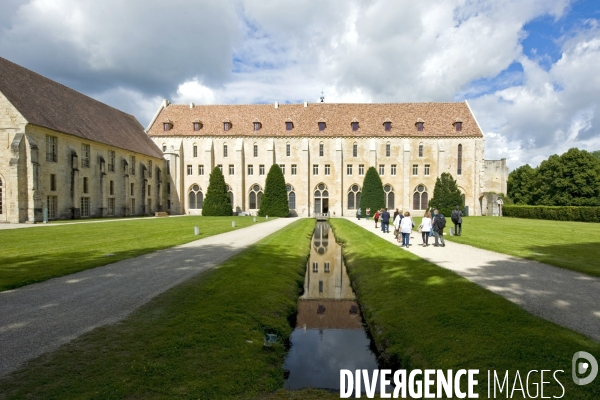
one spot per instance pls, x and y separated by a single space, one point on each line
217 201
446 195
372 195
274 202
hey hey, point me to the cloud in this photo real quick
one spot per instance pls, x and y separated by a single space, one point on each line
133 54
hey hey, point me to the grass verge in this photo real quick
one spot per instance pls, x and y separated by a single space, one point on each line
424 316
201 339
32 255
564 244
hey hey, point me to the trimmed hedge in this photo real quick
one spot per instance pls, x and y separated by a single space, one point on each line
556 213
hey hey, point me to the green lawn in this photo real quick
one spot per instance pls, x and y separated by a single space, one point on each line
31 255
564 244
201 339
424 316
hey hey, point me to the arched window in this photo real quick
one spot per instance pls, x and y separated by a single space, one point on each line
321 199
420 149
459 161
195 150
224 149
354 197
388 149
355 149
389 196
288 149
291 197
196 198
321 149
255 197
255 149
420 198
230 192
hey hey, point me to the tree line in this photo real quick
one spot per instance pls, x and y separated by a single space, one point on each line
571 179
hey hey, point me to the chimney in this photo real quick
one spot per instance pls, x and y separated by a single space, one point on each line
305 104
192 105
276 104
165 103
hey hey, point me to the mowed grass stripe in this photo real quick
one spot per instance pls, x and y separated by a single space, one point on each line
424 316
564 244
32 255
191 341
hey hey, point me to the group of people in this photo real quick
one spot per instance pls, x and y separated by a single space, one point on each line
431 225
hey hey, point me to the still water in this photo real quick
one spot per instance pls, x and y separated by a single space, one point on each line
329 334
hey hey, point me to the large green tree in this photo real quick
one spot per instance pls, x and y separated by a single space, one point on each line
274 202
217 201
372 195
446 195
571 179
596 153
521 184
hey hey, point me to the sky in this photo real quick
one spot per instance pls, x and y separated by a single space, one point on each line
530 69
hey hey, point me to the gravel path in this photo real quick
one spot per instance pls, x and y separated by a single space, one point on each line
38 318
567 298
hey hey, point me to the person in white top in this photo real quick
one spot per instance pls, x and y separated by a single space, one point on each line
397 222
406 226
425 229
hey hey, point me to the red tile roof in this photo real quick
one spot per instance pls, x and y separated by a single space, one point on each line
49 104
438 120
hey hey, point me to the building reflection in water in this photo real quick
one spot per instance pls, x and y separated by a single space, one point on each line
329 334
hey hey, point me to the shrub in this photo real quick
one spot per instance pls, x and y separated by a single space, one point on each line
446 195
275 201
217 201
372 195
557 213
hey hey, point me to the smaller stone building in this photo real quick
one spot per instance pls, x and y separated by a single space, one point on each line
70 155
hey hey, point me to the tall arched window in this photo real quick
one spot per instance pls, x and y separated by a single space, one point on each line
354 197
459 161
255 148
388 149
291 197
355 150
321 199
255 197
230 192
196 198
224 149
389 196
420 198
420 149
321 149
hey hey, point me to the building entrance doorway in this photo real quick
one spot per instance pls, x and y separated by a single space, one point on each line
321 199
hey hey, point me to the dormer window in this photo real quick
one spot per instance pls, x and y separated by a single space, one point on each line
197 126
289 126
322 126
354 125
257 126
226 126
167 126
419 126
387 125
457 124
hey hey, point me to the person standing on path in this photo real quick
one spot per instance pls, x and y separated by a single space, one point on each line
385 221
397 220
406 226
425 229
396 214
456 217
376 218
368 214
358 213
439 223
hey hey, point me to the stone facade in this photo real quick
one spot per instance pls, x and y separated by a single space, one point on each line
313 162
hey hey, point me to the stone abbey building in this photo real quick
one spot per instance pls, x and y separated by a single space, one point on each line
70 155
324 151
67 155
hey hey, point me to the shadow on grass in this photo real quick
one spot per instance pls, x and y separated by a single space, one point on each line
200 339
424 316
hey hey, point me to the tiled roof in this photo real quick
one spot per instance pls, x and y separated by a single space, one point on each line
49 104
438 120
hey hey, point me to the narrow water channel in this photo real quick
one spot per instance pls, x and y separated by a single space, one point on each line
329 334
